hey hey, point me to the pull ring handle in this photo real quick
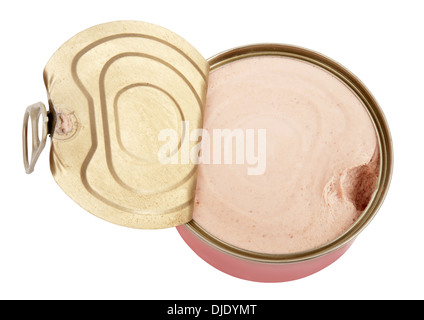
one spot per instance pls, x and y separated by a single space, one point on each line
34 112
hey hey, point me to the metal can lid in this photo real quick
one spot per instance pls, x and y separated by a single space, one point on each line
113 89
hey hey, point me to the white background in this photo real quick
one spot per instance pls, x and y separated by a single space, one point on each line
50 248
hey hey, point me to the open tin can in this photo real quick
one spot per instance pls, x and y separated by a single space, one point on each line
104 151
285 267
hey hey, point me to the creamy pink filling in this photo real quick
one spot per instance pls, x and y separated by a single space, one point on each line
322 158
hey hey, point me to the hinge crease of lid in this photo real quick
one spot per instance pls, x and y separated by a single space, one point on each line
125 96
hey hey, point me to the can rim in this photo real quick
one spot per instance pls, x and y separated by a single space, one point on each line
383 136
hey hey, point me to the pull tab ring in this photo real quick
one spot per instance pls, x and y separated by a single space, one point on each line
34 112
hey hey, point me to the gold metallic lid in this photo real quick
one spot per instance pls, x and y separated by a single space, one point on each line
112 89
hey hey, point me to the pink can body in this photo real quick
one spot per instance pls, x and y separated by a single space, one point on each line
258 271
